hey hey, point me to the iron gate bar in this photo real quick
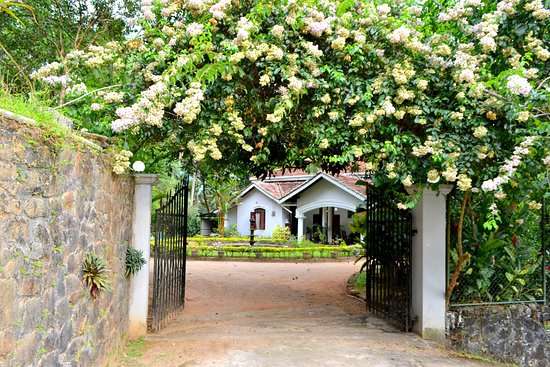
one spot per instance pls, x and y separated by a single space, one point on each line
169 257
388 249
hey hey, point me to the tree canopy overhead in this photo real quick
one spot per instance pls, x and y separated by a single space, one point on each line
423 93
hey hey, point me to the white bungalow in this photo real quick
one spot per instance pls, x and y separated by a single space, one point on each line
305 203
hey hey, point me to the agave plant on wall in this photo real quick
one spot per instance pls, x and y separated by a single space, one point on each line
134 261
95 274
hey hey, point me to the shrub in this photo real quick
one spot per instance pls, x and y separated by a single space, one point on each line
232 231
281 233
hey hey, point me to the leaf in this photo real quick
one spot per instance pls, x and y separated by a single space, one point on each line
344 6
510 277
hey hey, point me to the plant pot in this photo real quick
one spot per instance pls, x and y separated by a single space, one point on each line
194 253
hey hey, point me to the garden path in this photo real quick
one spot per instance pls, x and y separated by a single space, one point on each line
260 314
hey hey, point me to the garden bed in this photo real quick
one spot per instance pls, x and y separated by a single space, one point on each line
269 252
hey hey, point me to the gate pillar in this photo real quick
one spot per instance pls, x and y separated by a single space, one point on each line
141 234
428 264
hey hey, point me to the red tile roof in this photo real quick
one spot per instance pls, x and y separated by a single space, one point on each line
278 189
280 186
350 181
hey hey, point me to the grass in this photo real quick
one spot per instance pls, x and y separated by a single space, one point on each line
33 109
134 350
361 280
27 107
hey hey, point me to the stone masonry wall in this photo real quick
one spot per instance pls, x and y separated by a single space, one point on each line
513 333
59 201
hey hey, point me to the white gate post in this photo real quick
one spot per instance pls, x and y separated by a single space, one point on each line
428 264
141 234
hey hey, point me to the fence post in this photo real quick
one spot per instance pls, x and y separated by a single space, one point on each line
429 264
141 234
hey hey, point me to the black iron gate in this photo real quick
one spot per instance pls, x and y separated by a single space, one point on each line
169 255
388 247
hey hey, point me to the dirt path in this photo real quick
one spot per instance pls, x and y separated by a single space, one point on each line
281 315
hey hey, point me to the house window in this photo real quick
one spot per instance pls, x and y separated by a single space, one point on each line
259 215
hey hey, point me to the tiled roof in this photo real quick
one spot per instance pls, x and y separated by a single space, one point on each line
280 186
278 189
350 181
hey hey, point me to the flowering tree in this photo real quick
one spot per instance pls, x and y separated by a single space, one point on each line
423 93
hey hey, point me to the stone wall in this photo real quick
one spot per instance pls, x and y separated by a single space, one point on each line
59 201
513 333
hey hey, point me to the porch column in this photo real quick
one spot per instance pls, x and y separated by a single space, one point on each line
300 218
329 231
324 218
141 233
428 264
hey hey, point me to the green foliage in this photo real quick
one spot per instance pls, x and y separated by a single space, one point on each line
193 222
95 274
361 280
280 233
31 108
134 261
232 231
314 251
41 31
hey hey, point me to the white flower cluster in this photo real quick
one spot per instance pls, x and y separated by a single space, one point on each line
480 132
96 55
487 30
244 27
400 35
194 29
316 23
278 31
461 9
536 46
312 49
383 10
430 146
147 9
518 85
149 109
510 166
46 70
112 97
402 73
199 150
219 9
47 74
466 64
77 89
190 107
121 161
538 10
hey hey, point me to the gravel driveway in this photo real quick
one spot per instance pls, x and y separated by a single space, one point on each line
254 314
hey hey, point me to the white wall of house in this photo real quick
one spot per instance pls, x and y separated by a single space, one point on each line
324 193
231 217
274 213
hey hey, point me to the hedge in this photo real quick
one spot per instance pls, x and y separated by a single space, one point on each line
274 252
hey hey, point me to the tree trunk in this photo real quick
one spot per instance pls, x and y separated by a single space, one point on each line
221 216
462 257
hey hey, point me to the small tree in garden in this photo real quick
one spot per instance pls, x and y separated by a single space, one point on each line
425 93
